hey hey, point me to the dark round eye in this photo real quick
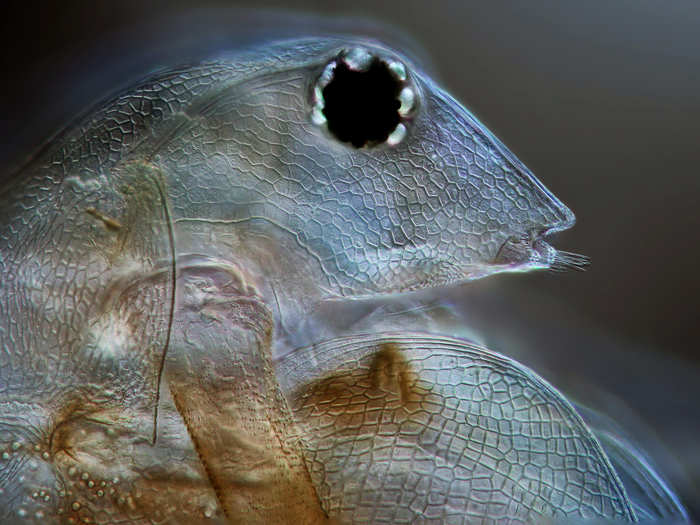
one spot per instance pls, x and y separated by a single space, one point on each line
362 99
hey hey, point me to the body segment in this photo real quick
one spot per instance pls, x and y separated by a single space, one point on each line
151 253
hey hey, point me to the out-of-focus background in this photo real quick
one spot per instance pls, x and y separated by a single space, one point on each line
600 99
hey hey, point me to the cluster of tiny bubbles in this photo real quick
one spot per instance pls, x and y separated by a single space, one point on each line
81 499
99 493
40 495
12 449
95 490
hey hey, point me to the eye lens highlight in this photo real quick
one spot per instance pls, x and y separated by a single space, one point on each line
361 107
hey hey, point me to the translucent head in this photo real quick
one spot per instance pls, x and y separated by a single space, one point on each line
381 177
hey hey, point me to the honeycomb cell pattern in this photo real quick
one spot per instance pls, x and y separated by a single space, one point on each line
406 427
86 296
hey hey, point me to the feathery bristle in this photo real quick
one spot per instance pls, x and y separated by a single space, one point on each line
566 261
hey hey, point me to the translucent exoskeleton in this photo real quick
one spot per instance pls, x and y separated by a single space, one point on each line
149 258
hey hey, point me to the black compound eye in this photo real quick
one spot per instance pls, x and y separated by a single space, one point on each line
363 100
362 106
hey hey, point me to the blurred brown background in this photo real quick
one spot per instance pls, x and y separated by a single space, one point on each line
600 99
